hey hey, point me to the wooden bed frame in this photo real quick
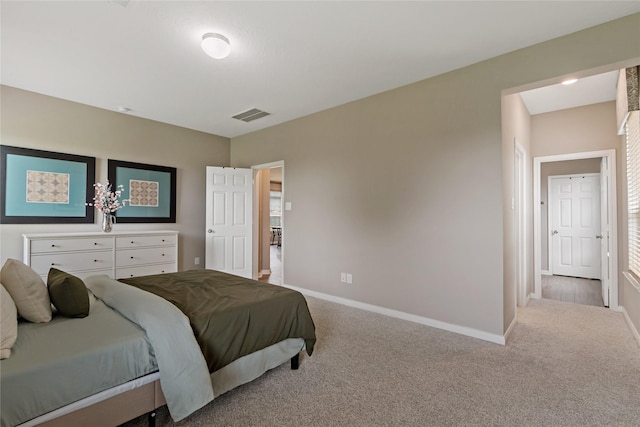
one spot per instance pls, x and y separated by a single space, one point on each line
123 407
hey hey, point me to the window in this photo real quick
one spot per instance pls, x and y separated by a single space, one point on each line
633 189
275 208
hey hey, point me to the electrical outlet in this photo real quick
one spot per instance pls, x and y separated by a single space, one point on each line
343 277
349 278
196 261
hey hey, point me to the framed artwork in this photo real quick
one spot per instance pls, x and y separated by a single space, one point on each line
43 187
150 191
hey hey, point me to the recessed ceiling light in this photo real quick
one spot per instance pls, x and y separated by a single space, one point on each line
569 82
216 45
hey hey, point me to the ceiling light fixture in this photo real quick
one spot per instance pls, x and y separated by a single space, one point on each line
569 82
216 45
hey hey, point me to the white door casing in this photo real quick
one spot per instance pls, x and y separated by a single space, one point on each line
574 224
520 223
605 246
228 237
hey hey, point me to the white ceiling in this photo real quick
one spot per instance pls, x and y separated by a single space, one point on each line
288 58
586 91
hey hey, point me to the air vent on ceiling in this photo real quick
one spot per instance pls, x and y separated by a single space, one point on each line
250 115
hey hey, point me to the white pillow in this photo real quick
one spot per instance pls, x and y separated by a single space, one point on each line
8 323
28 291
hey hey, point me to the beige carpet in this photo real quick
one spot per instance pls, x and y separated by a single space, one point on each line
564 365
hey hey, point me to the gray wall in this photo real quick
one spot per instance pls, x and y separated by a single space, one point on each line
36 121
405 189
574 130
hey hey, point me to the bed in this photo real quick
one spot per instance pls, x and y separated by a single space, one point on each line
236 330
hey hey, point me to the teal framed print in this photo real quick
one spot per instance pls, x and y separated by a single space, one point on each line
44 187
150 191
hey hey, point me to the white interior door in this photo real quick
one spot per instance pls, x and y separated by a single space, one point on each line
574 225
228 220
605 246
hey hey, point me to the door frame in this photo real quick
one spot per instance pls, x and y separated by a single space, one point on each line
613 216
550 204
520 191
256 210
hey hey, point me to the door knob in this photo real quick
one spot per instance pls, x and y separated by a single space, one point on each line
209 231
555 232
599 236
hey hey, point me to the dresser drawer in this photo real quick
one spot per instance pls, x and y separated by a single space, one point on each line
142 241
123 273
84 274
71 262
93 253
63 245
130 257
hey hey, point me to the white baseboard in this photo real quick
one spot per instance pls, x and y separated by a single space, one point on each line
463 330
632 327
511 326
527 299
546 273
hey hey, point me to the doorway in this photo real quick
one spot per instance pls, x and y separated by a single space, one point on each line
269 222
543 233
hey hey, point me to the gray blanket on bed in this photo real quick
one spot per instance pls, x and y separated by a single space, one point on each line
184 376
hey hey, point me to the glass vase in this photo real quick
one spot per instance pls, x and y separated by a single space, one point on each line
107 221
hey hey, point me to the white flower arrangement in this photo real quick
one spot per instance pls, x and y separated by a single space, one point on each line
106 200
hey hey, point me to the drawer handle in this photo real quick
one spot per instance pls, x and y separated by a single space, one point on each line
131 275
53 246
162 254
95 243
95 260
163 240
53 263
131 257
132 242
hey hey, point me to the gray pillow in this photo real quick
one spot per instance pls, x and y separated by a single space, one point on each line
28 291
8 323
68 294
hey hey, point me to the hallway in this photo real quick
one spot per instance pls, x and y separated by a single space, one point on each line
275 277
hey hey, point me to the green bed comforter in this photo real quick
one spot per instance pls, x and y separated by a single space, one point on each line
232 316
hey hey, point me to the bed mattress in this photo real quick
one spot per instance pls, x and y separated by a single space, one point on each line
57 363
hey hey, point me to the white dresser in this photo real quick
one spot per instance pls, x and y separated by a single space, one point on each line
117 254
